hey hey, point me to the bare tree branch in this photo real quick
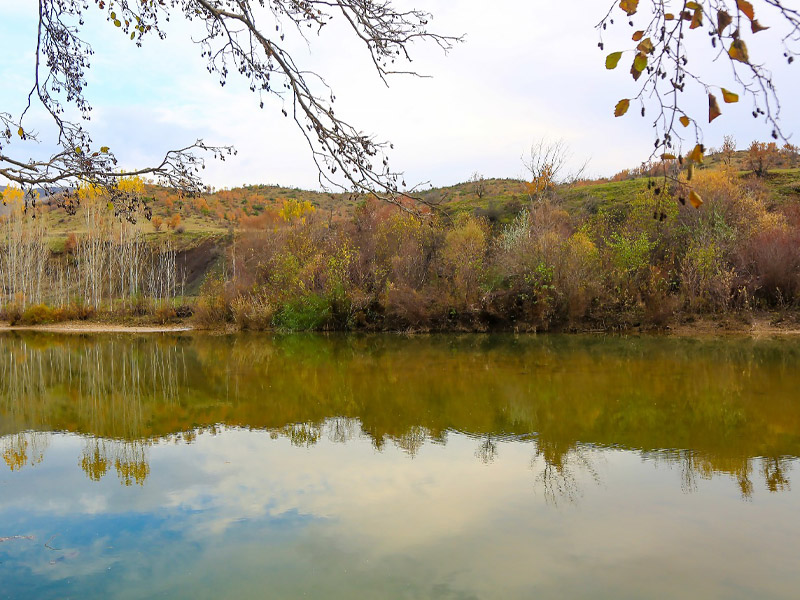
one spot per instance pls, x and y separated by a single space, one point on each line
241 35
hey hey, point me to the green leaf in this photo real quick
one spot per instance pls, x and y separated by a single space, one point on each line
640 62
612 60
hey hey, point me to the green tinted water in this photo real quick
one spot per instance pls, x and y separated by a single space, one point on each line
389 467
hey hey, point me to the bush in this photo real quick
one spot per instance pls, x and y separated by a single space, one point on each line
252 311
578 275
11 312
706 279
463 255
164 314
212 307
41 314
306 313
771 261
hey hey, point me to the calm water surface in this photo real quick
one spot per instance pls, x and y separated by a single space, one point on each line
387 467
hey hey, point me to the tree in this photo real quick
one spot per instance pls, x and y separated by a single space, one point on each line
665 38
728 149
546 165
478 182
174 221
240 35
761 157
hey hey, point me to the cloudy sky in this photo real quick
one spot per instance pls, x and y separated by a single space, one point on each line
526 71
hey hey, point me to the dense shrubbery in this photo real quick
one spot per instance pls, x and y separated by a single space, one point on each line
390 269
555 265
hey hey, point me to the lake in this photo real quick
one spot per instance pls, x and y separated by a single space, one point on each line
446 466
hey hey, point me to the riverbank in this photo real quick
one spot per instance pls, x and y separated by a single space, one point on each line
98 327
759 325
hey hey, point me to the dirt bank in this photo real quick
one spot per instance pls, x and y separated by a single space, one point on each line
89 327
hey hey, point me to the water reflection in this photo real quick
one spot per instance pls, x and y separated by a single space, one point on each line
704 407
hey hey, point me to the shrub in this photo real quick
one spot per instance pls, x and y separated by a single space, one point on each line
578 275
252 311
71 244
771 262
306 313
463 255
164 314
11 312
41 314
706 279
212 308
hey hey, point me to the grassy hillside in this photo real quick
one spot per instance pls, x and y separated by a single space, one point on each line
258 207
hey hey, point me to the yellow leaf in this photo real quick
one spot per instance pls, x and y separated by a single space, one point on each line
640 62
713 108
646 46
695 199
669 17
696 155
746 8
738 51
613 59
693 6
78 150
629 6
622 107
667 156
21 133
104 149
684 121
637 35
729 97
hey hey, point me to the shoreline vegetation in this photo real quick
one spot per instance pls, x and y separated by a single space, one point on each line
627 254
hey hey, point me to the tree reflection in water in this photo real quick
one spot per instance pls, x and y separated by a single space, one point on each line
725 408
559 470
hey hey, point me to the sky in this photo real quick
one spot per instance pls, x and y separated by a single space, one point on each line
526 71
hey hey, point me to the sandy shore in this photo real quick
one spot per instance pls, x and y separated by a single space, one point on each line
758 327
89 327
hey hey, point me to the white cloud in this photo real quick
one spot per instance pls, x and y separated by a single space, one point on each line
525 71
